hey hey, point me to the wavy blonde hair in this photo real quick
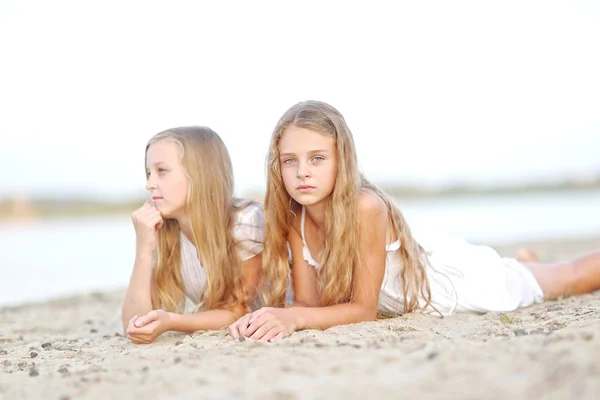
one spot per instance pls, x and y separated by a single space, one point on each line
212 211
340 257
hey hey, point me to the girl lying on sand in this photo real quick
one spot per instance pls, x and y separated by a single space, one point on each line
194 240
353 255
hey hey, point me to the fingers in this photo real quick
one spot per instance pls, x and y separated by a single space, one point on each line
243 325
238 328
130 323
261 326
143 330
258 313
233 330
133 333
151 219
147 215
147 206
142 321
252 327
138 339
271 333
280 335
155 220
263 330
146 334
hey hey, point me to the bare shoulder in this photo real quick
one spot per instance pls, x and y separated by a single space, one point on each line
371 206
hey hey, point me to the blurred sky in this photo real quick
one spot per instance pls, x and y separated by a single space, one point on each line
435 92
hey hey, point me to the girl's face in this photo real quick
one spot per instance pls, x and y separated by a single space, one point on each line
308 162
167 181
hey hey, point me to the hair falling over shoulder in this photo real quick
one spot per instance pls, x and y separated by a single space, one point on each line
340 256
211 210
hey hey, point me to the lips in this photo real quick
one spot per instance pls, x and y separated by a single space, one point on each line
156 198
305 188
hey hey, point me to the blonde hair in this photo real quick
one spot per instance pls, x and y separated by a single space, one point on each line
340 257
211 210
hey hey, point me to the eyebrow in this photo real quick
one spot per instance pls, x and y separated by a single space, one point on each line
156 164
310 153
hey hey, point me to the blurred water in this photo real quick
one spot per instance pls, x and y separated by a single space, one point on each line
44 259
507 218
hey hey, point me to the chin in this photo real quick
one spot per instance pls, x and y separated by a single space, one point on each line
164 212
307 200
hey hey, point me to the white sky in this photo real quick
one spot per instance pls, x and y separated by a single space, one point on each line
435 92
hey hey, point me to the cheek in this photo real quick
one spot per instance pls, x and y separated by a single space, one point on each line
181 188
287 176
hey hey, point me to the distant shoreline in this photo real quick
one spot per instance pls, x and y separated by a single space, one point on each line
18 208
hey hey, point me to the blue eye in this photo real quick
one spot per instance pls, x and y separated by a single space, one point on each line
288 161
318 159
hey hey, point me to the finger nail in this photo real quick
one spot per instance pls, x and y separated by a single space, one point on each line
138 323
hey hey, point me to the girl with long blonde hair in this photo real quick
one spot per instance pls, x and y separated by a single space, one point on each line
353 255
195 242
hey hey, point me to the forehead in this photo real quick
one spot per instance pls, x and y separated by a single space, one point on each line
163 150
299 140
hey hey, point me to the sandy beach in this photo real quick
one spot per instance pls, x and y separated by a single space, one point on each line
72 349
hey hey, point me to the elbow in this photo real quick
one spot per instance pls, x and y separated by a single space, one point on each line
371 316
369 313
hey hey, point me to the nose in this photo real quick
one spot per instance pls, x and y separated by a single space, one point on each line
303 171
150 184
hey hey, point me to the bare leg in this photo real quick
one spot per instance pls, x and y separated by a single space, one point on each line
579 276
526 255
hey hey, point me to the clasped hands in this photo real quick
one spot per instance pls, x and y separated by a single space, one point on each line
266 324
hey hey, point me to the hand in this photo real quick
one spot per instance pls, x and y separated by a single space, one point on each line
267 324
237 329
146 221
144 330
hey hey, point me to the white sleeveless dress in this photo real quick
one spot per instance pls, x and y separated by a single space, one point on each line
462 278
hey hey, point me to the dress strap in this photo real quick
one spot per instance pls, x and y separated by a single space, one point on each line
302 225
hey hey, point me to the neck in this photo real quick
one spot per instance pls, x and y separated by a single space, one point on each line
186 227
317 214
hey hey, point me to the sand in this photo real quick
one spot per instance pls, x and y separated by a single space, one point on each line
71 349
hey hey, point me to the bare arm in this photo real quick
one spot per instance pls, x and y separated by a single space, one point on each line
217 319
137 298
146 221
273 323
147 328
373 219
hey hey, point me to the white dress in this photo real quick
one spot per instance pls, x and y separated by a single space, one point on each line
462 278
248 232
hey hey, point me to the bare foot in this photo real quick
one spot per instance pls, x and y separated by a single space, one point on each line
527 255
